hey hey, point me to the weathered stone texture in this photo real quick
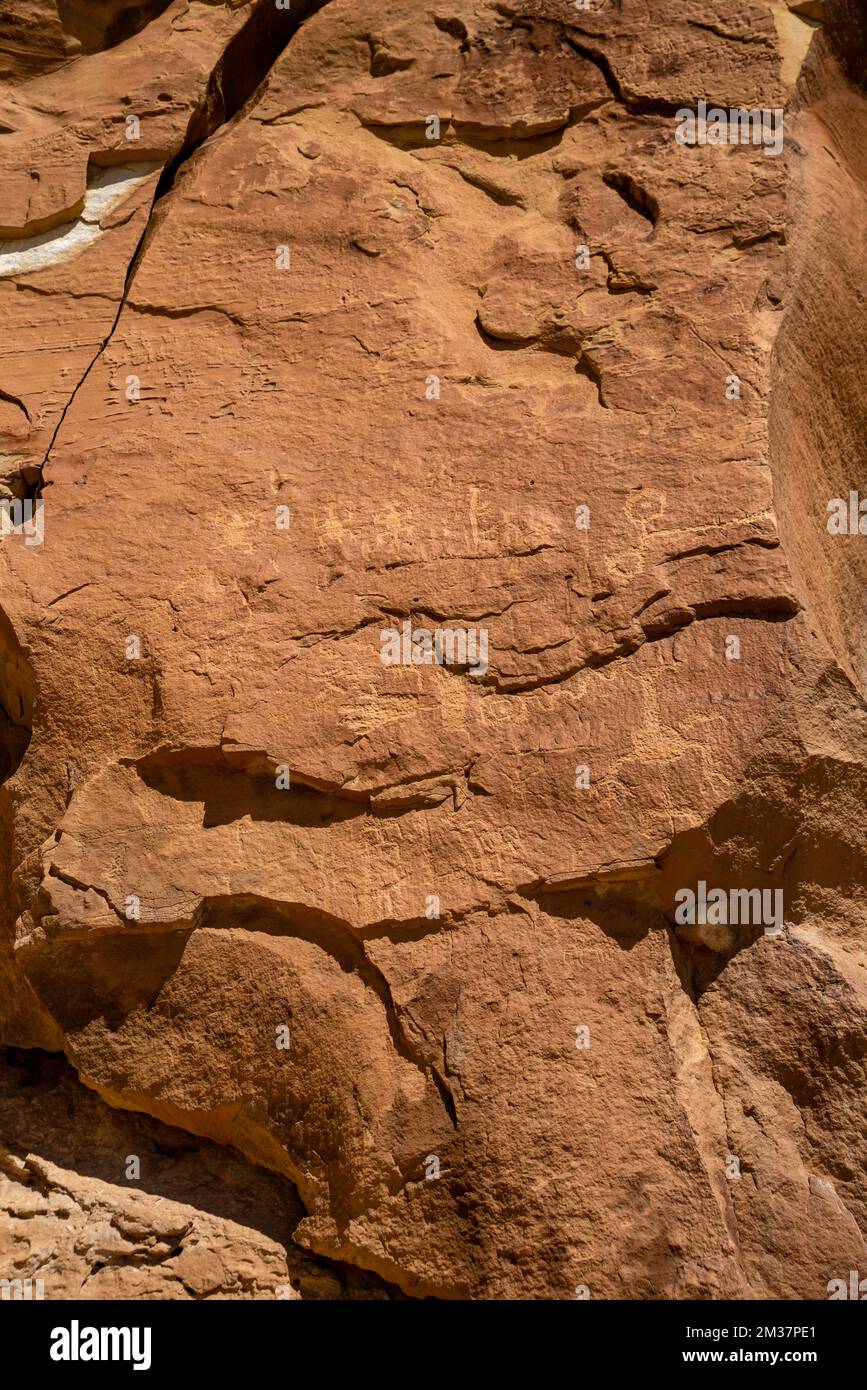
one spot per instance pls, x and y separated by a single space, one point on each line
286 295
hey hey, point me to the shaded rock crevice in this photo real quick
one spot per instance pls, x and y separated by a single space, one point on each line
197 1222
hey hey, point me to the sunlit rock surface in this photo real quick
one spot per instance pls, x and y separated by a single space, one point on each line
335 339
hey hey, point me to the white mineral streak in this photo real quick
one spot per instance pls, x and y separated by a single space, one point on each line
109 189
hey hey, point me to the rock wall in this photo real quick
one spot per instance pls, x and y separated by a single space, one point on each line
197 1222
423 581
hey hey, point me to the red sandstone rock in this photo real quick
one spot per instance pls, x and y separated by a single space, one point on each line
440 326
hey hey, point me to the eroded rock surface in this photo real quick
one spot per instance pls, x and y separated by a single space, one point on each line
424 317
99 1203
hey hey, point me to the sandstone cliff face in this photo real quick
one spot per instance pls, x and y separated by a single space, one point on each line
331 329
198 1222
